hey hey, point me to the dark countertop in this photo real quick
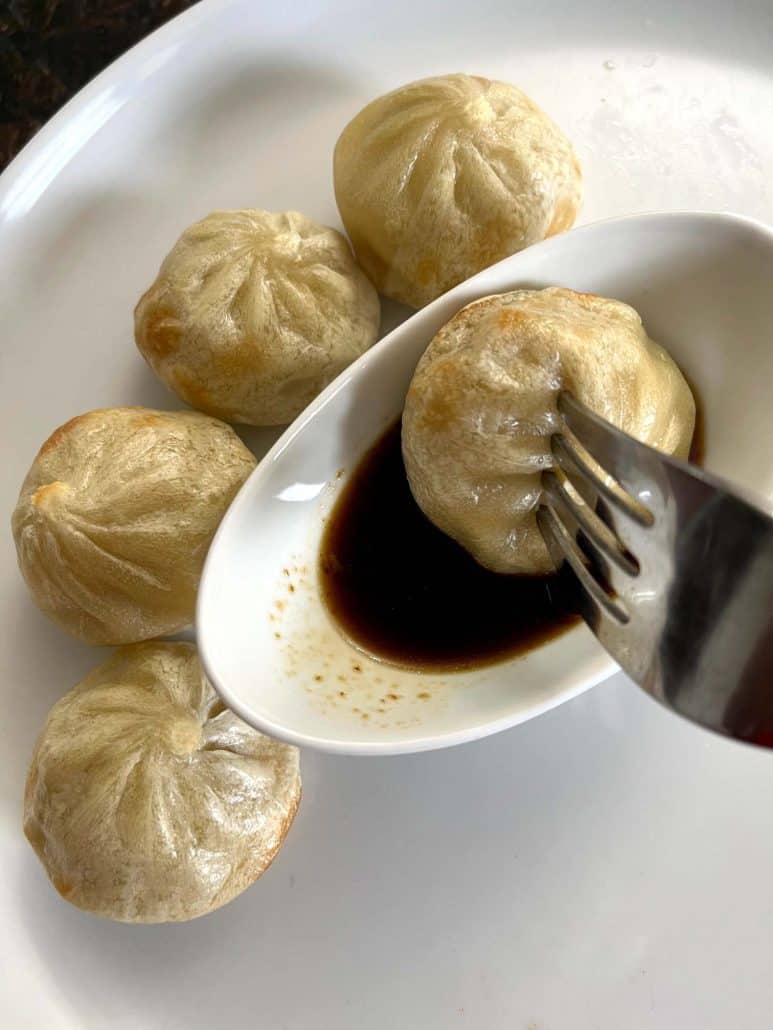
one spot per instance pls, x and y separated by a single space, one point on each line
50 48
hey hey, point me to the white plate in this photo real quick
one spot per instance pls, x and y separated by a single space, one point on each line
604 866
701 283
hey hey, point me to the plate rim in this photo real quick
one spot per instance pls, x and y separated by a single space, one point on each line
37 149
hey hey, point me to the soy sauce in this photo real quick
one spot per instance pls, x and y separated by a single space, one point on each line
406 593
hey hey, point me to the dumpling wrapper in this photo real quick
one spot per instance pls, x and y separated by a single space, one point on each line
253 314
116 515
148 801
482 406
445 176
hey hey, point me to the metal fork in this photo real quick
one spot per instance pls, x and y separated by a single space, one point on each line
675 572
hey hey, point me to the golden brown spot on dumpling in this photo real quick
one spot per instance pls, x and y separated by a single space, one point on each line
146 419
486 246
60 434
190 389
34 834
161 333
46 493
511 318
240 359
64 887
590 301
426 270
440 405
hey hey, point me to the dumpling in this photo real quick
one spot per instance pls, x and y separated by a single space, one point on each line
481 409
115 517
445 176
148 801
253 313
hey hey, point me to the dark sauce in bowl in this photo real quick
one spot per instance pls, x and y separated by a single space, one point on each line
404 592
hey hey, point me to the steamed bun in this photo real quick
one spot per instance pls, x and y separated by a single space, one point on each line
146 800
116 515
481 409
253 313
445 176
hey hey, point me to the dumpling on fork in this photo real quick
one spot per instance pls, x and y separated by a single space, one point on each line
482 407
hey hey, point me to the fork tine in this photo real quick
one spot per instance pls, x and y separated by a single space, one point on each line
572 457
579 515
603 455
597 607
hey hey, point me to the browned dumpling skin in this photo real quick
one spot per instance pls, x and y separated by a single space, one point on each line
481 409
445 176
147 800
116 515
253 313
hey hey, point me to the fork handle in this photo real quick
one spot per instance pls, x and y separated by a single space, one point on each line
716 648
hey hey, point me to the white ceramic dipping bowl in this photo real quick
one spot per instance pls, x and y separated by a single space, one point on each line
703 284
